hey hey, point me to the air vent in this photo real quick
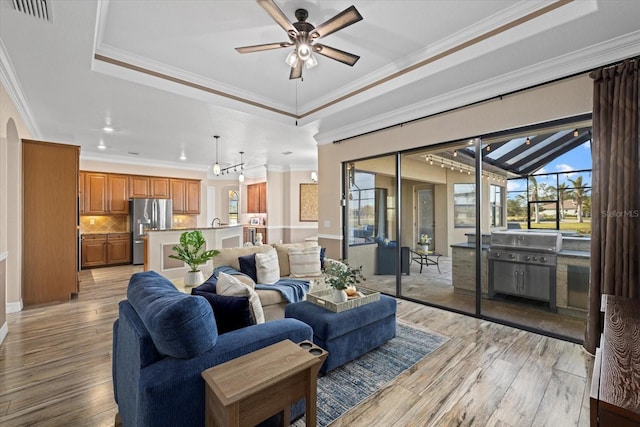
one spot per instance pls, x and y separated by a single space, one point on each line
36 8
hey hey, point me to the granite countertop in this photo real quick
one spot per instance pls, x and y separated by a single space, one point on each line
575 254
220 227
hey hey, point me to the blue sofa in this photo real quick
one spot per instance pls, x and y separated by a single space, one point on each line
163 339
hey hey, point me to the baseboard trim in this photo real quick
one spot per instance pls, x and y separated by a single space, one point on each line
4 330
14 307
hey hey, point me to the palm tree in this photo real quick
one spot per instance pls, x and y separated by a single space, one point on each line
579 193
563 194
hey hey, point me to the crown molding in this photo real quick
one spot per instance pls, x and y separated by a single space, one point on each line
11 83
580 61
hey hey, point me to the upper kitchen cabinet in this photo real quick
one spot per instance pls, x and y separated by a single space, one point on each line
118 196
139 187
95 193
257 198
105 194
160 188
192 197
185 194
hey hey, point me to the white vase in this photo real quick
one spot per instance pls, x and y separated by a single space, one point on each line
339 295
193 278
424 248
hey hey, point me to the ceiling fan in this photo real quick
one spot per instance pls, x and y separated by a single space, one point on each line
303 37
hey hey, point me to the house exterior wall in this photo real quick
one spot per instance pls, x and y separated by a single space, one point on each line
565 98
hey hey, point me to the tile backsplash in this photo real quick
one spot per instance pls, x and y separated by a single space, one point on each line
104 224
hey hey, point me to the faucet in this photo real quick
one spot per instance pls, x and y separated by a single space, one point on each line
213 223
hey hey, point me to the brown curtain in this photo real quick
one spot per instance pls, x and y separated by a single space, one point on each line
615 195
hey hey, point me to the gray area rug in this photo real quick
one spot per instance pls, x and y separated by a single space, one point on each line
345 387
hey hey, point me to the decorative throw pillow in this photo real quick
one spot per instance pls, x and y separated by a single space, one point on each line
230 312
267 267
305 262
248 266
231 286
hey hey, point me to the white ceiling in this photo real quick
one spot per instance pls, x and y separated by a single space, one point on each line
166 76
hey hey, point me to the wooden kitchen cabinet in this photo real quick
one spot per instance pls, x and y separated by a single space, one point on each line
99 250
95 193
118 248
178 195
257 198
160 188
185 194
94 250
81 192
49 222
118 196
105 194
192 194
139 187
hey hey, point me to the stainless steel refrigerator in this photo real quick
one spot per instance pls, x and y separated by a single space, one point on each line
148 214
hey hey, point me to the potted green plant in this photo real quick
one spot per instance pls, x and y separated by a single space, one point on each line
191 251
423 243
341 276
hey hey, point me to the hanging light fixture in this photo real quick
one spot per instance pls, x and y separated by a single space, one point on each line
528 141
241 176
216 167
576 133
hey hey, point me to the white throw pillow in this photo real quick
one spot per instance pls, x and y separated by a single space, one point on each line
305 262
267 267
231 286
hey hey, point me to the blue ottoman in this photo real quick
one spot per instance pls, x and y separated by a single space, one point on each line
350 333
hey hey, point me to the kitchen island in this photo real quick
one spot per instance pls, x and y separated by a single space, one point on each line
158 244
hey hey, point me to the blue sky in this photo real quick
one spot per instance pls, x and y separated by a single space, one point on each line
577 159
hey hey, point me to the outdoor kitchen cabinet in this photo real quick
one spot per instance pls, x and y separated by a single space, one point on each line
523 280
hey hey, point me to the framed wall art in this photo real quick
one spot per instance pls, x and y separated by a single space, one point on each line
308 202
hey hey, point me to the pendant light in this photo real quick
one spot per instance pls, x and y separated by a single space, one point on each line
216 167
241 176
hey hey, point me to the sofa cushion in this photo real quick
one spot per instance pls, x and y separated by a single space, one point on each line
248 266
267 267
231 312
180 325
305 262
283 254
229 256
229 285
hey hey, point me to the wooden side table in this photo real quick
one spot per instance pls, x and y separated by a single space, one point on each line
251 388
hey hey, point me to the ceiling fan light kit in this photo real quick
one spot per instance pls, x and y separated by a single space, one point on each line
303 37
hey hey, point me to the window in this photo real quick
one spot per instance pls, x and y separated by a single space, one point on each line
464 205
233 206
367 208
495 203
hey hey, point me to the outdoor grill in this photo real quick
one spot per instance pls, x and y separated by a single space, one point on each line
523 264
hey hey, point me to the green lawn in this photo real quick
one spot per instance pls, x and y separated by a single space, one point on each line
580 227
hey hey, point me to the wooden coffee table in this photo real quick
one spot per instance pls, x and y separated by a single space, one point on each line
251 388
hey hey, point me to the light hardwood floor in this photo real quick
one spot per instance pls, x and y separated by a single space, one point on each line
55 369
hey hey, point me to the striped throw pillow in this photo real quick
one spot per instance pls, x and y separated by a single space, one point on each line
305 262
267 267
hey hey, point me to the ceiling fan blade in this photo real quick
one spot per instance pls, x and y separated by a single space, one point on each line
296 72
261 47
337 54
345 18
274 11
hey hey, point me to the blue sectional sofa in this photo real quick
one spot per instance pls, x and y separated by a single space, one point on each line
163 339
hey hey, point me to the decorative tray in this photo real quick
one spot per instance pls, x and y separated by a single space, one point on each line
324 298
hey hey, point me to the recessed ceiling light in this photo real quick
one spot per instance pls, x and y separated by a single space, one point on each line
286 153
183 156
101 145
108 129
